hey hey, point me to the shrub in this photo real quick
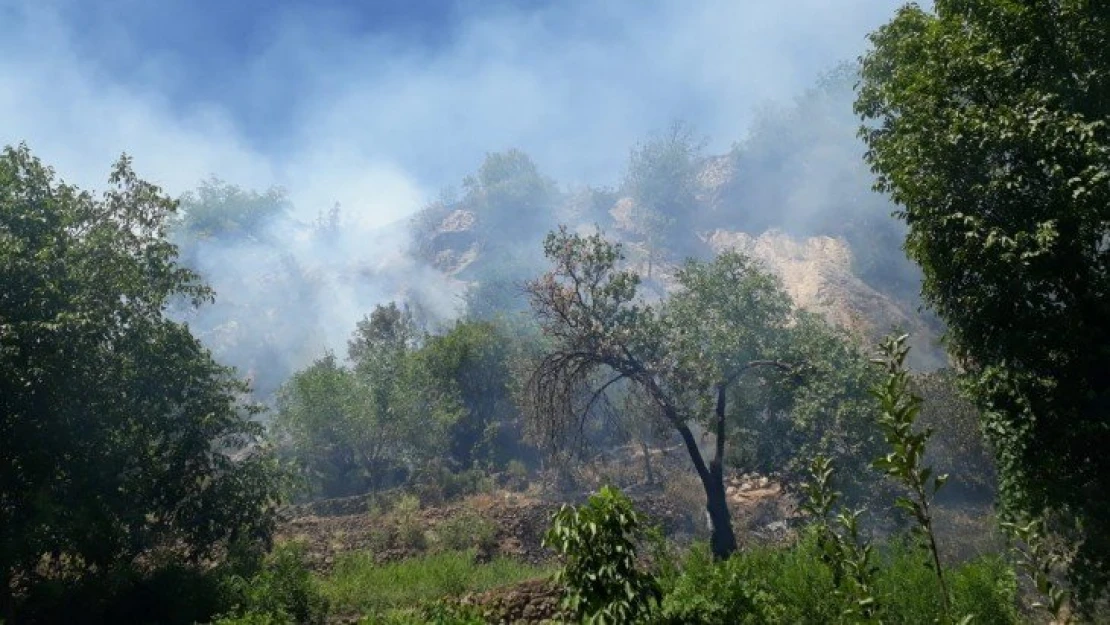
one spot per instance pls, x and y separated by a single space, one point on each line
435 483
794 586
467 531
410 527
714 593
984 588
516 475
283 591
598 541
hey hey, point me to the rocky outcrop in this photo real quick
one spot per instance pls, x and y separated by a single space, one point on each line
535 601
817 274
453 245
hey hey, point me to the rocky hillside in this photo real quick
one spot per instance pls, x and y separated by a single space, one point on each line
817 271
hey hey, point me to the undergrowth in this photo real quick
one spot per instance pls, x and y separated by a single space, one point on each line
359 585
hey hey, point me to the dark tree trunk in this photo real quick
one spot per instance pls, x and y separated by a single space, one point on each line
722 541
649 475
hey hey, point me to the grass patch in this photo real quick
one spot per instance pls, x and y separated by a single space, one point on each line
791 585
358 584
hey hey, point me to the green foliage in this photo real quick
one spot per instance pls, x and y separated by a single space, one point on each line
509 194
844 551
516 475
359 584
957 446
471 360
121 435
410 529
717 593
169 592
727 324
436 613
467 531
795 586
355 429
984 589
824 408
1039 562
221 210
283 591
905 462
598 540
662 181
434 483
987 121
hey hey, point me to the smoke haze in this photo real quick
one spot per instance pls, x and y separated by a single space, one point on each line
380 109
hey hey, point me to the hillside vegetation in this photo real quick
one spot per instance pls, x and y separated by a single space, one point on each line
812 380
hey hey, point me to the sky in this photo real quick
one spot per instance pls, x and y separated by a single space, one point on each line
379 105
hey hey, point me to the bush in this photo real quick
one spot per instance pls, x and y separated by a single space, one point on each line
436 484
467 531
985 588
793 586
516 475
410 527
170 593
282 592
598 541
716 592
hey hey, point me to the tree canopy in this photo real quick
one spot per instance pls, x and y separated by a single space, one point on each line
729 318
987 121
359 427
119 434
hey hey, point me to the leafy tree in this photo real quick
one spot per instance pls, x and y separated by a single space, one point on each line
987 121
119 434
662 182
471 360
957 446
510 195
361 427
231 237
319 425
728 320
221 210
827 411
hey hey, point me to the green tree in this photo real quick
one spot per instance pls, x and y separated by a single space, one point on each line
827 411
231 237
728 319
662 180
472 362
987 121
119 434
217 209
510 195
358 428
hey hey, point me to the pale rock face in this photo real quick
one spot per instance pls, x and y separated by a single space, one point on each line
455 242
817 274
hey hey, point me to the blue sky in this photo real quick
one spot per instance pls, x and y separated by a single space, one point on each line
380 104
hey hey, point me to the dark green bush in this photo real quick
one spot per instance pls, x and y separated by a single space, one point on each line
603 582
171 593
283 591
793 586
467 531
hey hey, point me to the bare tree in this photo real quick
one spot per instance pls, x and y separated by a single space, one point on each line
728 319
